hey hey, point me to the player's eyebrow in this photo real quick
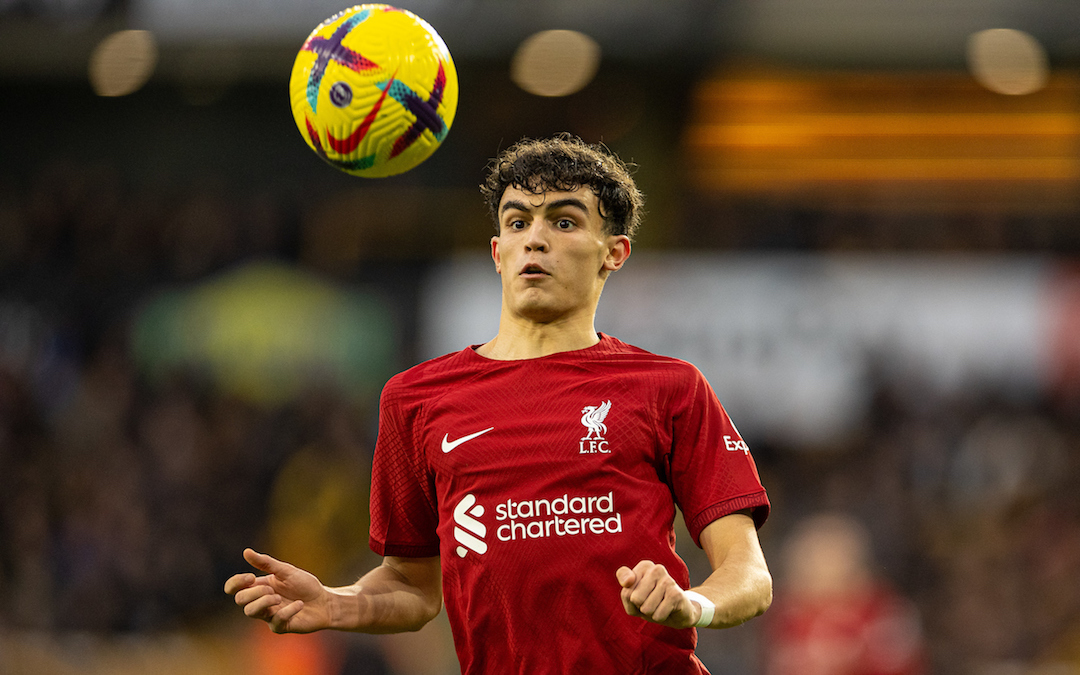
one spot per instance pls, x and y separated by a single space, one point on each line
557 204
569 201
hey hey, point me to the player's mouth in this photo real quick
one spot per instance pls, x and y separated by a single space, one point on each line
533 271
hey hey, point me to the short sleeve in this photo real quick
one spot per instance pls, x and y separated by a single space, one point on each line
712 471
404 510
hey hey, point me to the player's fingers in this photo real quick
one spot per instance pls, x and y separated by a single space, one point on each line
249 595
263 608
238 582
653 601
650 576
626 577
263 562
639 594
279 622
630 607
667 606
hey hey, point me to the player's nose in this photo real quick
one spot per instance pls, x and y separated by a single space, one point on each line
536 239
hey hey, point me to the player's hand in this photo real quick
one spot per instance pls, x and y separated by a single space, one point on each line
649 591
288 598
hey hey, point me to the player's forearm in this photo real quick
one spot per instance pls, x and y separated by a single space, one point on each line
385 601
739 592
740 585
367 609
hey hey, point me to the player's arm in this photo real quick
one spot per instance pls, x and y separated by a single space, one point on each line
401 594
740 585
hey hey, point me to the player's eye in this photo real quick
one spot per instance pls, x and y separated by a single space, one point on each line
564 224
517 224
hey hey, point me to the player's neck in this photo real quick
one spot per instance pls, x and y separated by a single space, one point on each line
519 339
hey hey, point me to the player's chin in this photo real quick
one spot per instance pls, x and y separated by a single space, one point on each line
539 309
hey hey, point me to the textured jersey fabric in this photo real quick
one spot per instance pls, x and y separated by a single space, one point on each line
535 480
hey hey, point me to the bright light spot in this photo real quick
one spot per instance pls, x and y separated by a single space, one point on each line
555 63
123 62
1007 61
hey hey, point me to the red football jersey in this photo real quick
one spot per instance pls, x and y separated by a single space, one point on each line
535 480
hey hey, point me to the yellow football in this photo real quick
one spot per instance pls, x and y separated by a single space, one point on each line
374 90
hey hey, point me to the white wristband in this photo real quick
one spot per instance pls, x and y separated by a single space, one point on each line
707 608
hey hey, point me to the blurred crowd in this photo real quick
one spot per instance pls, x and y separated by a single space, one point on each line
944 537
967 506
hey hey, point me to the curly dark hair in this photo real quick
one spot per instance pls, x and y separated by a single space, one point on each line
565 162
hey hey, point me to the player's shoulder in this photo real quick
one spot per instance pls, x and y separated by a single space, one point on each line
435 369
428 377
623 354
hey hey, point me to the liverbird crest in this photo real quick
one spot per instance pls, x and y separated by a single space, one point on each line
592 417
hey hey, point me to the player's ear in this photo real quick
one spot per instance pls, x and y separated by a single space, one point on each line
617 253
495 254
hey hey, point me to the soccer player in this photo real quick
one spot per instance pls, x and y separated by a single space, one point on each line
530 483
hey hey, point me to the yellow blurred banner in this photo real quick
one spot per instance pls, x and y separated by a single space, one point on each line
885 139
266 332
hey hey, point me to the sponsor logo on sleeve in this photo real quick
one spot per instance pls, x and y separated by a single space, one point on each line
736 445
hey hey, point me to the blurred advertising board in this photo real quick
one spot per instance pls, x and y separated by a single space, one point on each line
796 346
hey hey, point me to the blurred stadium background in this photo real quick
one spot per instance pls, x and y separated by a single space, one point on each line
863 226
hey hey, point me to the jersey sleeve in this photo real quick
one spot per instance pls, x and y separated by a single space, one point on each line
404 511
712 471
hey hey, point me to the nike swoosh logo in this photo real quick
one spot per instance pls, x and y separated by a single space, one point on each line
448 445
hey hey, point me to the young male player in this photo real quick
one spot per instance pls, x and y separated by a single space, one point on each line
531 482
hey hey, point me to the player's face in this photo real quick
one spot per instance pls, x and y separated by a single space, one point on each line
553 253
